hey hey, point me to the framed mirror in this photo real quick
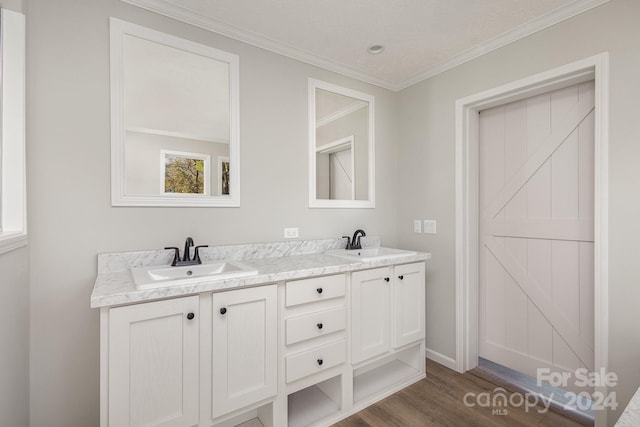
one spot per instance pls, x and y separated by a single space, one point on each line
341 147
174 121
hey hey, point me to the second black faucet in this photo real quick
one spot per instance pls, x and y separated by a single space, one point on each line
354 243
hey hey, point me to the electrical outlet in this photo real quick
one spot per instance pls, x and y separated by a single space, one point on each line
429 226
417 227
291 232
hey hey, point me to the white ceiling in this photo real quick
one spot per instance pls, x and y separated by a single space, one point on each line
421 37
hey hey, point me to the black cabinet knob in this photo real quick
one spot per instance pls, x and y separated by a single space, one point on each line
223 310
319 290
319 325
190 316
386 279
320 362
401 277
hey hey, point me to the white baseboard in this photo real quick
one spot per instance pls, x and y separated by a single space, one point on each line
440 358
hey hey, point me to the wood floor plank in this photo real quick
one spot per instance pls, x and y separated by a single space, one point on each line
438 400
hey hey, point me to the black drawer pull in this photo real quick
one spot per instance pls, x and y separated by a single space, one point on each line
401 277
223 310
320 362
190 316
386 279
319 290
319 325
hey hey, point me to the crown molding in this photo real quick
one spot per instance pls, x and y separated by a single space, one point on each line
340 113
184 135
171 10
531 27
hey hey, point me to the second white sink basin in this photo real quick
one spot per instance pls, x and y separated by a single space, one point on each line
157 276
369 254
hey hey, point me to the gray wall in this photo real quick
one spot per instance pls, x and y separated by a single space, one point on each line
14 338
426 176
70 216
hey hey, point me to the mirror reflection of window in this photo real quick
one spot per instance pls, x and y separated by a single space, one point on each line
185 173
223 172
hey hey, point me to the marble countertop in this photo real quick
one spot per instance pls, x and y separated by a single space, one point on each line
116 286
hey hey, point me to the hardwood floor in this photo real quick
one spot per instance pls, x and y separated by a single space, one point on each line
439 400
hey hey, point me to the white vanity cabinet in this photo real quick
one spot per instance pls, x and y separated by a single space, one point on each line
370 313
243 348
153 358
387 309
314 349
189 361
315 321
298 352
408 304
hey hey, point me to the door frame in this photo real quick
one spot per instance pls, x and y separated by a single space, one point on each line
467 176
346 143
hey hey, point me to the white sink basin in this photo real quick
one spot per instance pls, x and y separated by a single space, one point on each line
157 276
369 254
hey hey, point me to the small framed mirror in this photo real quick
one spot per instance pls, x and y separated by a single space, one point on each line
174 121
341 147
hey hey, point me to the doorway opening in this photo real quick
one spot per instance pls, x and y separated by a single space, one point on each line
468 207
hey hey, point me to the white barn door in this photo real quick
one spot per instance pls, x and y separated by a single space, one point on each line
536 232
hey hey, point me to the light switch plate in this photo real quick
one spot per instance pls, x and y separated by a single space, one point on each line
291 232
429 226
417 226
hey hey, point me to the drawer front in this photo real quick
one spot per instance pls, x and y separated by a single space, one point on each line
315 360
315 289
314 325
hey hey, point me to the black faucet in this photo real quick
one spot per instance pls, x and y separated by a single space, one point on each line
354 242
186 255
188 244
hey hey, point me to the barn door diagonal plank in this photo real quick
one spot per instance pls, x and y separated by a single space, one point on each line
534 292
545 149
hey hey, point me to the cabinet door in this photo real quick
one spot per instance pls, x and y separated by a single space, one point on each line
408 300
244 337
153 364
370 313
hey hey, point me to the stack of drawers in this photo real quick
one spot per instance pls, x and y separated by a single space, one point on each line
315 322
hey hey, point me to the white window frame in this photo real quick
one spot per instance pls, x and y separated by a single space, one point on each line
13 194
186 155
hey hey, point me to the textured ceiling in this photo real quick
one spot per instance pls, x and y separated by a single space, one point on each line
420 36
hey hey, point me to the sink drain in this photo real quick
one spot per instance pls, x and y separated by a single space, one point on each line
189 272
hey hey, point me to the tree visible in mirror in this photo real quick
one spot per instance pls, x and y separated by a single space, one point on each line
182 175
225 178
